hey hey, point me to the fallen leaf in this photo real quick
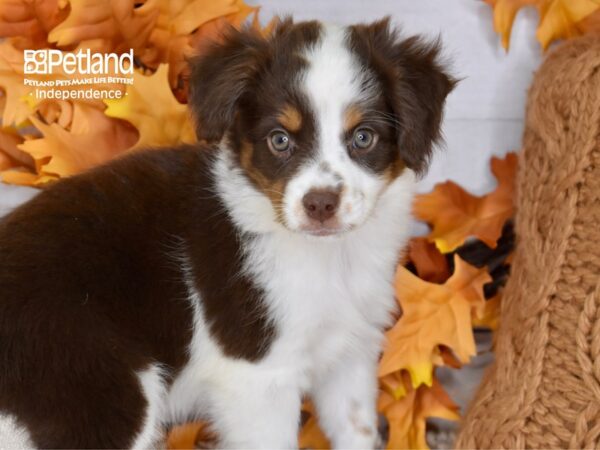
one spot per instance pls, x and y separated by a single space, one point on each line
120 23
407 415
16 110
559 19
9 147
490 317
433 315
30 21
311 436
455 214
153 110
505 12
62 152
194 435
430 264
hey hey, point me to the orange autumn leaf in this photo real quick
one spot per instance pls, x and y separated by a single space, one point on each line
66 152
153 110
559 19
19 100
30 21
191 436
430 264
121 23
15 109
407 415
10 154
562 19
456 215
490 316
433 315
311 436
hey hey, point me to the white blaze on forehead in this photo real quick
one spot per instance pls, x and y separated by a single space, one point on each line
332 83
334 80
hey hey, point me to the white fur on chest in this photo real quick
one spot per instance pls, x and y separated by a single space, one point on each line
327 298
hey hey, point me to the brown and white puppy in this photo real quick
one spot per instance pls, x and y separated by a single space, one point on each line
227 281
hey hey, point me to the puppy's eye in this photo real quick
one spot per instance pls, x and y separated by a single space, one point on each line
279 141
363 139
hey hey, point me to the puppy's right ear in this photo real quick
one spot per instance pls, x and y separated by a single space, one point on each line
220 76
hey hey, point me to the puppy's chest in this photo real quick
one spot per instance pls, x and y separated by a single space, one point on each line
326 300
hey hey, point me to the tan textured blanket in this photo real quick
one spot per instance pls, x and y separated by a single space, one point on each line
543 391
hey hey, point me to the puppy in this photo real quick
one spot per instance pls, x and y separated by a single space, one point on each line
227 280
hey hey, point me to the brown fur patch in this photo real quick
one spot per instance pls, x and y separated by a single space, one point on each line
290 118
353 115
394 170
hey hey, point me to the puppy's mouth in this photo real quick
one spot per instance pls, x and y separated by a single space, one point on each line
324 229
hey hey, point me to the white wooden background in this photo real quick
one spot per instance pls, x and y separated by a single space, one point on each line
485 112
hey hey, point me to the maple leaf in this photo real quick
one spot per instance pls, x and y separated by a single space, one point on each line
455 214
430 264
66 152
559 19
433 315
407 415
152 108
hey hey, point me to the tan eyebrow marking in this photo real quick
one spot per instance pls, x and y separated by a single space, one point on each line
290 118
353 115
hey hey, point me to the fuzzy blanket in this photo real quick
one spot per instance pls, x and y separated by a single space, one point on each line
543 391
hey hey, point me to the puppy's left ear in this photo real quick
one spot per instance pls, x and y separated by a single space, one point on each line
415 82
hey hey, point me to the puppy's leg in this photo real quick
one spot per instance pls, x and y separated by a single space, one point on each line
256 411
152 433
346 399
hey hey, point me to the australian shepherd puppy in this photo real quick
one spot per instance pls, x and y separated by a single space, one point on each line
227 280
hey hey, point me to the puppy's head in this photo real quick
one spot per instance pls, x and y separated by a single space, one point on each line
321 120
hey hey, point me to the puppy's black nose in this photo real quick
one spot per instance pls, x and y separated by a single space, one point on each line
321 204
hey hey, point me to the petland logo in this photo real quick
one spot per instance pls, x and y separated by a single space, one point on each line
43 62
55 74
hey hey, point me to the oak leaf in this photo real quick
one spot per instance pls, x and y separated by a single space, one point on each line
455 214
153 110
433 315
